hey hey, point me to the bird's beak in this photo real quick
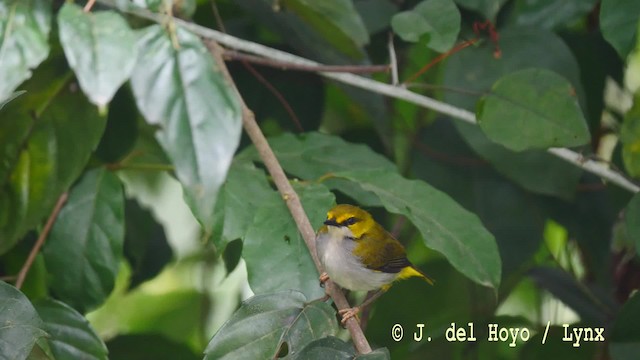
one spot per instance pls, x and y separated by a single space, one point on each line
331 222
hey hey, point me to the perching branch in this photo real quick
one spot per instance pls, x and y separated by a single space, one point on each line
290 197
22 275
359 69
595 167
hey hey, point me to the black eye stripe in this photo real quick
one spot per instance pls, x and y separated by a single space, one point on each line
349 221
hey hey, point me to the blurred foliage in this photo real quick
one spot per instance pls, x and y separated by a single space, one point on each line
174 243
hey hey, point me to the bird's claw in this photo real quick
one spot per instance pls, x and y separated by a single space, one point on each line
323 278
349 313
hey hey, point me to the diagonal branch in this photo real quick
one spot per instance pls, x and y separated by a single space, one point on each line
22 275
595 167
290 197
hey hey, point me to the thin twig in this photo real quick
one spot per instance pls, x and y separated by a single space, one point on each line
438 59
216 15
272 89
393 61
22 275
282 65
290 197
89 5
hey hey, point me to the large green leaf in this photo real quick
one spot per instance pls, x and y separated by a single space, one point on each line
313 155
46 138
198 115
625 336
532 109
100 48
20 325
245 191
84 249
436 20
71 335
632 220
511 214
276 255
619 22
445 226
24 40
630 138
337 21
476 69
267 324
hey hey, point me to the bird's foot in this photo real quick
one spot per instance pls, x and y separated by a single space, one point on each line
349 313
323 278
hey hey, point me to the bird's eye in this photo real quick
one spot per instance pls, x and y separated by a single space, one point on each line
350 221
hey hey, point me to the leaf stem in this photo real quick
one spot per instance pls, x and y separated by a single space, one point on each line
41 238
290 197
361 69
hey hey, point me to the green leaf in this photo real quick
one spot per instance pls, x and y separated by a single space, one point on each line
532 109
267 324
145 244
534 170
506 210
71 335
410 26
551 14
11 97
20 325
445 226
439 20
244 192
630 138
625 336
632 220
488 8
333 348
46 138
475 69
197 113
24 35
337 21
100 48
313 155
84 249
276 255
619 22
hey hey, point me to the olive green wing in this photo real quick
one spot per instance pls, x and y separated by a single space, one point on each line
383 253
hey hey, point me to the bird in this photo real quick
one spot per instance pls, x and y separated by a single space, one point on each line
358 254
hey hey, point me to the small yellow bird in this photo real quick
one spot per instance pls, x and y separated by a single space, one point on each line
359 254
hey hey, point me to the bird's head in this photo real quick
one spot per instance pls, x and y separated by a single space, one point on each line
352 217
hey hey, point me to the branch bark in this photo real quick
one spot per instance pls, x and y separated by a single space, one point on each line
289 196
22 275
595 167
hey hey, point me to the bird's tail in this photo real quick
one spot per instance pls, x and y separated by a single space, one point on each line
411 271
